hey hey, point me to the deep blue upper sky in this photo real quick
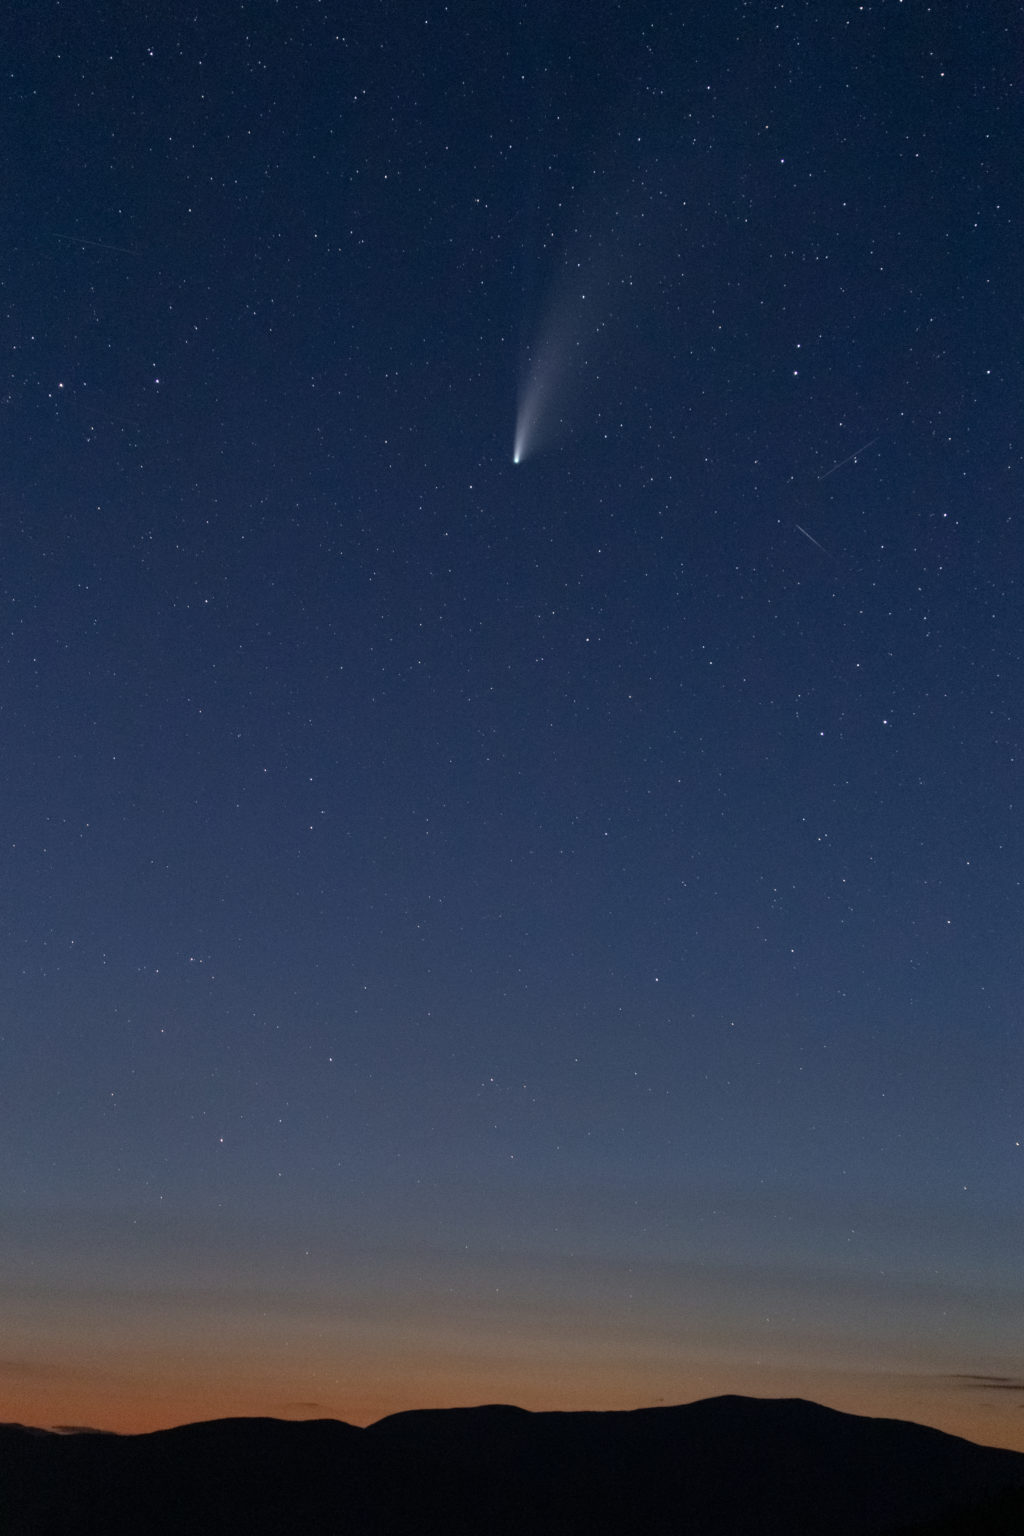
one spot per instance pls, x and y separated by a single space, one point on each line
479 882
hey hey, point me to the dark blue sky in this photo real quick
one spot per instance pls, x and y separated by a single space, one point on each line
472 930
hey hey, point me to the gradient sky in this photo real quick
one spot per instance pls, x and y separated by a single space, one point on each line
473 931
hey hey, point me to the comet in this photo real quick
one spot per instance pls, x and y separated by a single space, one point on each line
536 418
553 380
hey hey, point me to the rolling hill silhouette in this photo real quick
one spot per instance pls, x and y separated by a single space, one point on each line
728 1466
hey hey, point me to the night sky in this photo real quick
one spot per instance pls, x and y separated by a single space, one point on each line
511 688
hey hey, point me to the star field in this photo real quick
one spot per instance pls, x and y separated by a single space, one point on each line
473 931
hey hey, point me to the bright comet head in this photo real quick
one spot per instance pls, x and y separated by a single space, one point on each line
521 444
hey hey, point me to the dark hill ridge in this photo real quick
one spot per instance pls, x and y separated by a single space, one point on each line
728 1466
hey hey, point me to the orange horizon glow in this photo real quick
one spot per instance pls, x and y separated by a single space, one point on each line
44 1400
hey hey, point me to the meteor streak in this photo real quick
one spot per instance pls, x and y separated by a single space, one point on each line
813 540
99 245
848 460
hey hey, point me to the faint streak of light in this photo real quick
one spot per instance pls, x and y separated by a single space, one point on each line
848 460
100 245
814 540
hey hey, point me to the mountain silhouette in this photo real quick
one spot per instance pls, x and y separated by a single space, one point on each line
727 1466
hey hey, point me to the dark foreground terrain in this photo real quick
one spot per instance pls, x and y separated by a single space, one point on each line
729 1466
